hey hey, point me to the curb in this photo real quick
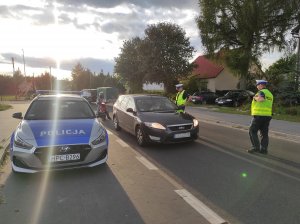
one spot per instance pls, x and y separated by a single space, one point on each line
3 150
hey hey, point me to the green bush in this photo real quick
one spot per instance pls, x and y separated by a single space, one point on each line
292 111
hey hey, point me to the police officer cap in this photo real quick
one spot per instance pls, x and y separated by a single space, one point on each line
178 86
261 81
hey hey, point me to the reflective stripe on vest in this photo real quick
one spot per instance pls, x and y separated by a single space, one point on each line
179 99
263 108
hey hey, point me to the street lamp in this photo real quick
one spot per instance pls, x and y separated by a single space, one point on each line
296 34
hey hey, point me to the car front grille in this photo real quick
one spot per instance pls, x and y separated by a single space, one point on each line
180 127
43 153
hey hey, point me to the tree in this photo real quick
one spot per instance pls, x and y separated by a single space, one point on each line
81 77
129 64
245 29
282 74
166 52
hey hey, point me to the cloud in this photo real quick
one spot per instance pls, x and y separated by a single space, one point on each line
93 64
187 4
30 61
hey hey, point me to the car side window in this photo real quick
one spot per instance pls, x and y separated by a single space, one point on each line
123 103
130 104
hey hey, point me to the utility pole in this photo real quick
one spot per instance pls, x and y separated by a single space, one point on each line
296 34
50 78
13 64
24 64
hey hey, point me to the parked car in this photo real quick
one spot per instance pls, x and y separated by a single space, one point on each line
57 132
235 98
204 97
153 118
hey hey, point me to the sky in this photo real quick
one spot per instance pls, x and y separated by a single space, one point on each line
56 35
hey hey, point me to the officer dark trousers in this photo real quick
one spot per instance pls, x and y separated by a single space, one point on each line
260 123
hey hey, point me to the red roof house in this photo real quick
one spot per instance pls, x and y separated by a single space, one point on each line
218 77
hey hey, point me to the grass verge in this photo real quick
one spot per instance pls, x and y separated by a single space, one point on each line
4 107
280 113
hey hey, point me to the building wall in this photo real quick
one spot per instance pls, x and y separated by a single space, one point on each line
226 80
153 86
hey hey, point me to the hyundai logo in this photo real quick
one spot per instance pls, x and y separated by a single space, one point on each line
64 148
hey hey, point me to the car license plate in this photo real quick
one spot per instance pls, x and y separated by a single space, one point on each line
182 135
66 157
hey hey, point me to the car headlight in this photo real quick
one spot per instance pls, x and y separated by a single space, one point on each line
229 100
155 125
195 122
18 142
100 138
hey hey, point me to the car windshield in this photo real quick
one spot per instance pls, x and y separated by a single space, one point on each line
59 109
151 104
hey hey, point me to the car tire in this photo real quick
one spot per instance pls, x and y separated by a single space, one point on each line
140 136
116 123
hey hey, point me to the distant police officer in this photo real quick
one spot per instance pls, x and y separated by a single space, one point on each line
181 98
261 110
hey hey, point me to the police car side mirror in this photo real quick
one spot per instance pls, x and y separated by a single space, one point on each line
17 115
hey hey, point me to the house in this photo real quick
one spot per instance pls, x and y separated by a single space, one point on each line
213 76
153 86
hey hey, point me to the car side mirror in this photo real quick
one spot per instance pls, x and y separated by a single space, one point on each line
17 115
130 110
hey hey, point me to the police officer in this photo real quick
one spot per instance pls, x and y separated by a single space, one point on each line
181 98
261 110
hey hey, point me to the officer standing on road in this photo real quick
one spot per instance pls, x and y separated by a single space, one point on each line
261 110
181 98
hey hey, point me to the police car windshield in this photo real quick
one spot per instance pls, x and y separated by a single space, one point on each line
59 109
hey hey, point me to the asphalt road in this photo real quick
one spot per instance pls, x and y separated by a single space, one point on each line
216 170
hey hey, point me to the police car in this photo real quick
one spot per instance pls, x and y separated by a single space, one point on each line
58 132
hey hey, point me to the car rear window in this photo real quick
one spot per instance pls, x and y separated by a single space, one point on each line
59 109
151 104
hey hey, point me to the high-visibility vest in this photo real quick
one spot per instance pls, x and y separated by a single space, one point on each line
263 108
179 99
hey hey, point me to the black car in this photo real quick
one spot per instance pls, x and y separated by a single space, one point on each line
153 118
235 98
204 97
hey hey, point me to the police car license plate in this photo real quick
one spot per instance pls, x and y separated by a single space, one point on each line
182 135
66 157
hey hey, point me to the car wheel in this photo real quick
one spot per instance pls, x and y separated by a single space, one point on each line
140 136
116 123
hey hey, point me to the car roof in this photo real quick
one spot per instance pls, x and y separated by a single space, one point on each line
59 97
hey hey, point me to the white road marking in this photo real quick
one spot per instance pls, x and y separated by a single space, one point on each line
146 163
200 207
122 143
195 203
